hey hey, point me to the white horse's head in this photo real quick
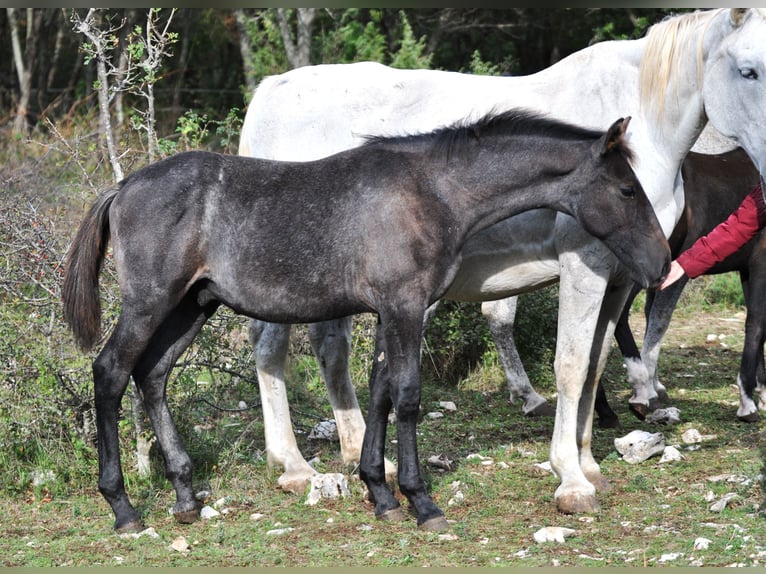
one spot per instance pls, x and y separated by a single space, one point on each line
734 82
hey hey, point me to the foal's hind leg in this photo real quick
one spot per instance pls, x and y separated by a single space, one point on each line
111 373
151 375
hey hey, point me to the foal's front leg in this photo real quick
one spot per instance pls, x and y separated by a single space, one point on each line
401 344
371 462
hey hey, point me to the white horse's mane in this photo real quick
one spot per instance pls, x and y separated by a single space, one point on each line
670 43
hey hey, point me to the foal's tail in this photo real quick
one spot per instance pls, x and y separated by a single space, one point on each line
82 306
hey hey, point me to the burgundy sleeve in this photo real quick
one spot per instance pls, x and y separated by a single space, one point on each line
727 237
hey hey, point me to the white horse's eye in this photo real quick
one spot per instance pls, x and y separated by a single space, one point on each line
748 73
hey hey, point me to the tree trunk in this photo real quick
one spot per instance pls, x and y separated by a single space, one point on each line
24 61
246 49
298 50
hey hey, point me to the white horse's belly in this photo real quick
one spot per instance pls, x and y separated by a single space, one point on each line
511 257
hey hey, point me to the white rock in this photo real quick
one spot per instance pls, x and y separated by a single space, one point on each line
256 516
330 485
180 545
279 531
638 445
457 499
40 477
691 436
208 512
150 532
669 557
720 504
447 537
440 461
553 534
435 415
668 416
220 502
701 543
324 430
670 454
448 406
546 466
477 456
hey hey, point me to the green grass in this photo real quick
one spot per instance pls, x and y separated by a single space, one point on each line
652 510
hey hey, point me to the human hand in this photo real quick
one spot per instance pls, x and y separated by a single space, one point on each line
675 273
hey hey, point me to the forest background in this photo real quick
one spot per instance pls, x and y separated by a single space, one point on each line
89 95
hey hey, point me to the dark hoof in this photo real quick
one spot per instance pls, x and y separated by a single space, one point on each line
640 411
656 403
750 418
186 516
435 523
662 396
541 410
393 515
132 526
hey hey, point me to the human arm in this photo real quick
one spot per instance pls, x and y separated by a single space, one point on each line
724 240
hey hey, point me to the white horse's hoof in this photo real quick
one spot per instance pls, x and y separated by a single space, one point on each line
296 482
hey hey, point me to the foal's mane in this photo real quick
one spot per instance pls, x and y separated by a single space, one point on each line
670 43
460 136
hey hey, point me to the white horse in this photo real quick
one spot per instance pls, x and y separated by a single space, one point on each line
688 69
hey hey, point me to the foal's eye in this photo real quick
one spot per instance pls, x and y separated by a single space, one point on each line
628 191
748 73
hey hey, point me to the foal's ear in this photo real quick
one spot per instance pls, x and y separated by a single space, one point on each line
614 138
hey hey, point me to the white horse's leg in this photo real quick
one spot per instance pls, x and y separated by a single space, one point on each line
331 343
271 344
500 316
614 301
581 292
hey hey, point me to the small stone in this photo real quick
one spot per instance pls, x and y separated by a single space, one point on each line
440 461
329 485
256 516
324 430
691 436
208 512
670 557
720 504
448 406
670 454
435 415
180 545
279 531
701 543
447 537
637 446
553 534
668 416
457 499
